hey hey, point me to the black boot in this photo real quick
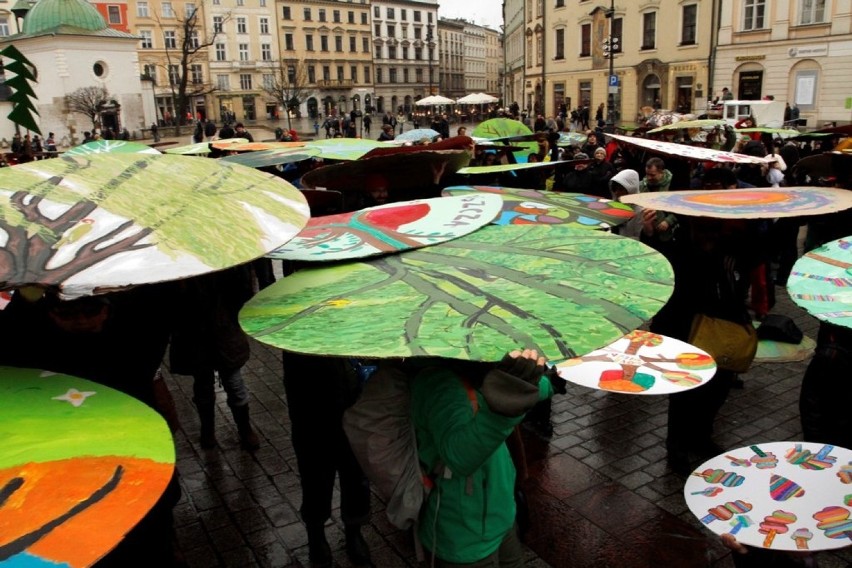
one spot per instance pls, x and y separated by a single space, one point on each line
207 415
356 547
248 439
319 552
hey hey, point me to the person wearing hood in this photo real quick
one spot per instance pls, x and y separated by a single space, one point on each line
658 225
626 182
576 180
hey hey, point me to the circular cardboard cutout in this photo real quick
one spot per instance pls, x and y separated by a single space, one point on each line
696 153
641 362
780 495
80 463
821 282
752 203
561 290
266 158
91 224
393 227
345 149
530 206
110 147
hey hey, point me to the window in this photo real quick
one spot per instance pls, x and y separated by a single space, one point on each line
418 53
218 24
264 26
335 16
245 81
377 12
539 48
753 14
585 92
193 39
418 75
268 80
241 25
168 12
189 10
291 74
364 18
418 33
307 14
391 30
377 28
174 76
352 44
262 3
429 17
812 12
288 42
366 73
312 74
417 15
196 75
403 14
321 14
353 72
150 70
560 44
390 13
114 14
405 75
391 52
309 42
378 52
285 13
617 33
350 17
560 3
585 40
221 54
240 2
392 75
687 35
141 9
266 50
323 43
649 30
223 82
340 73
146 41
365 44
404 52
169 39
243 49
379 78
338 43
326 73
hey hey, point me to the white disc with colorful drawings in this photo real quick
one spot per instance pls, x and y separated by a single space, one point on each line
778 495
641 362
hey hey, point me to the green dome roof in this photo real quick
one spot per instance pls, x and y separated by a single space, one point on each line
51 14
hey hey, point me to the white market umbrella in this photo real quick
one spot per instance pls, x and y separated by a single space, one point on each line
434 100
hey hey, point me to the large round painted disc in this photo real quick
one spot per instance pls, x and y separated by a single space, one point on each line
821 282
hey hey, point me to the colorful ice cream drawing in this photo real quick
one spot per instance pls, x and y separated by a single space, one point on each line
835 522
845 474
709 491
802 536
727 511
722 477
741 522
776 523
781 488
738 462
763 460
807 460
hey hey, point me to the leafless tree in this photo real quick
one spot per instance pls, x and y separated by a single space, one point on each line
88 101
289 86
185 57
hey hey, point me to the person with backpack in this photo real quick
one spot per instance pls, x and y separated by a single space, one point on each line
463 413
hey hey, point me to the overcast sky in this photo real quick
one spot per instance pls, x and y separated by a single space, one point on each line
483 12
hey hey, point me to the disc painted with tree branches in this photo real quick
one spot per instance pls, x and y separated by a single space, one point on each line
80 465
821 282
562 290
89 224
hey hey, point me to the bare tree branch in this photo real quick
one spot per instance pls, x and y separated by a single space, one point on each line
88 101
289 86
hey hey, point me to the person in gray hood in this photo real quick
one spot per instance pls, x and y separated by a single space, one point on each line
623 183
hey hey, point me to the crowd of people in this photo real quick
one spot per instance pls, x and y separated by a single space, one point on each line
723 268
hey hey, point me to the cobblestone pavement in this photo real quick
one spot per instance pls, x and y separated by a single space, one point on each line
601 492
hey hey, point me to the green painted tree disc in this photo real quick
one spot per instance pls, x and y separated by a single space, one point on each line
561 290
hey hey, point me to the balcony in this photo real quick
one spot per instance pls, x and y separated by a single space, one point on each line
333 84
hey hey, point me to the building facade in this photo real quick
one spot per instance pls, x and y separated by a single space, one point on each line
405 52
513 52
451 50
474 58
535 60
326 46
659 55
493 63
793 50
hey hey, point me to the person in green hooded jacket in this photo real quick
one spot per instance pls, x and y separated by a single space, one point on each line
658 225
462 423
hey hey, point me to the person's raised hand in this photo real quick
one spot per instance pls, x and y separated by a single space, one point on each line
526 365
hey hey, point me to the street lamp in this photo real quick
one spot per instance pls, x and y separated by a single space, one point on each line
429 47
610 47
